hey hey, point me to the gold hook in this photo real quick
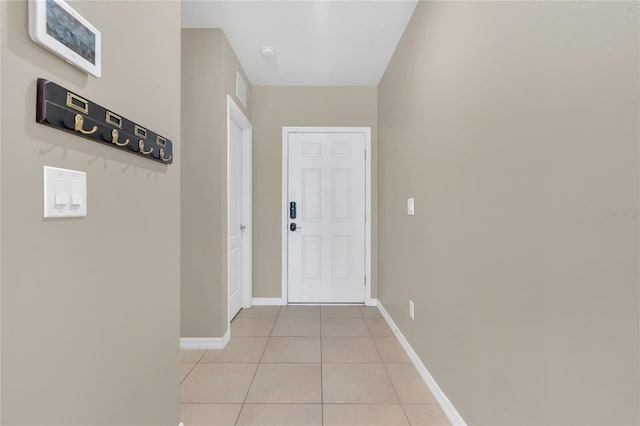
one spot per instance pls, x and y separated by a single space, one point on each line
80 124
141 148
114 139
162 156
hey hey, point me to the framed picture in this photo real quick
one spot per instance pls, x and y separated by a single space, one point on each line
59 28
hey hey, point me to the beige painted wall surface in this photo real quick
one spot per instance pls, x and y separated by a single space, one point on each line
1 32
90 306
515 127
273 108
208 75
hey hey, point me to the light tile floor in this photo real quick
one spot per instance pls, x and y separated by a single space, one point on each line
306 365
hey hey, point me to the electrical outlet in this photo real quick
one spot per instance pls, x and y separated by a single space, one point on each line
412 310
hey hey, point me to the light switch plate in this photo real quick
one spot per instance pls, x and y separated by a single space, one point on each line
411 206
65 192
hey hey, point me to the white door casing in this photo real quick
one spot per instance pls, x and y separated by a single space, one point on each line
326 172
235 225
239 235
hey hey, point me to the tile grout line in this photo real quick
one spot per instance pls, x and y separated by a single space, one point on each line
255 373
189 372
192 368
302 403
370 335
384 365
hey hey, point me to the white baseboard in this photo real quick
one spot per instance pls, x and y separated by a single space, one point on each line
276 301
205 342
452 414
268 301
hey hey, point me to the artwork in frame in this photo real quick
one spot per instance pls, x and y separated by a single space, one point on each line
56 26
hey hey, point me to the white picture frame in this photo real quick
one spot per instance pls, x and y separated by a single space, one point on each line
63 31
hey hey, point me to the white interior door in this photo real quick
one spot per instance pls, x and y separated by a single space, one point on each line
326 246
234 221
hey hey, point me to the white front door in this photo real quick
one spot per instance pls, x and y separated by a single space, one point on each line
326 246
234 221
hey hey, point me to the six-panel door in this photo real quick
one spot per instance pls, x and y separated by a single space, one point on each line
326 252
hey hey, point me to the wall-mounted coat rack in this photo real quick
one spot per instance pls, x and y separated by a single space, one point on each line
65 110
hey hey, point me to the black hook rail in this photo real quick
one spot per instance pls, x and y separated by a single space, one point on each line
60 108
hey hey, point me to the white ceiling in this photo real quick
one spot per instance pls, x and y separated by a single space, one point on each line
317 43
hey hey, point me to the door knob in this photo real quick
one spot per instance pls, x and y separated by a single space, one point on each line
242 227
293 227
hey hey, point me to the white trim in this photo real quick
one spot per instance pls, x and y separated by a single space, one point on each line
268 301
452 414
205 342
247 215
235 113
367 225
285 195
241 89
284 217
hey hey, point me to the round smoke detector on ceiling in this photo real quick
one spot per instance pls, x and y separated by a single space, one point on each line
268 52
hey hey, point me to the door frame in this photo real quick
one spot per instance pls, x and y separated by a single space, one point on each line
235 113
286 130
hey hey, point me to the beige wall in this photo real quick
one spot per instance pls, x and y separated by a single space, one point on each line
273 108
1 32
515 127
208 75
90 308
